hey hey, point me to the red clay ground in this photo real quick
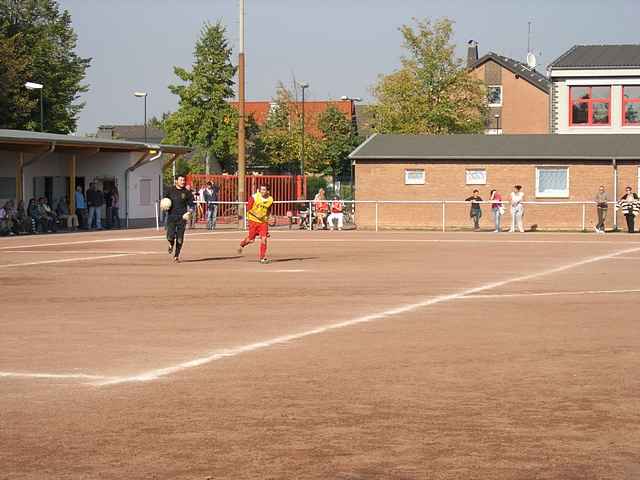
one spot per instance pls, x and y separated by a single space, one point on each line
405 356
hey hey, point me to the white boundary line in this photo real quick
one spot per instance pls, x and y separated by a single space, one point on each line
108 240
65 260
88 252
53 375
163 372
551 294
155 374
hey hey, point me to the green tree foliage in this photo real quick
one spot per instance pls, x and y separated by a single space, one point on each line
37 43
339 140
204 118
432 92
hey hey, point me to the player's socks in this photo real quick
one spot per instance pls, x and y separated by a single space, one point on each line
170 248
263 250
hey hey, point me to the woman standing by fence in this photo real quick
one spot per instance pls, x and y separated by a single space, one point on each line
496 208
517 209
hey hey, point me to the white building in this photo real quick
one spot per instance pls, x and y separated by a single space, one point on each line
596 89
49 165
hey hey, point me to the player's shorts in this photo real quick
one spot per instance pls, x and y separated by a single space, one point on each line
258 230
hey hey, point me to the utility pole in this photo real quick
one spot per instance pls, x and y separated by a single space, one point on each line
241 127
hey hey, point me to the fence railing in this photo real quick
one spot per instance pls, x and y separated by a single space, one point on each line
304 212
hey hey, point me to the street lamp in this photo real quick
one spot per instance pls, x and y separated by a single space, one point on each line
303 86
38 86
140 95
354 127
353 100
497 117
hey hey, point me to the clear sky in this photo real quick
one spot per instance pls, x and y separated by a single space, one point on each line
338 46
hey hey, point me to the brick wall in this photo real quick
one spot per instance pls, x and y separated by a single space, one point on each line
377 180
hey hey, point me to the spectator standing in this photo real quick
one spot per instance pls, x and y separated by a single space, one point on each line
95 200
475 212
517 209
210 197
630 207
337 208
496 208
602 206
81 208
115 207
62 209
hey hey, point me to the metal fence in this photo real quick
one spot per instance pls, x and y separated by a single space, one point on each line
440 215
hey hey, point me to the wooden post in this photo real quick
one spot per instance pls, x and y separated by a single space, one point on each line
19 178
72 183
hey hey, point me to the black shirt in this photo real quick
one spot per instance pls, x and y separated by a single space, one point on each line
473 199
181 200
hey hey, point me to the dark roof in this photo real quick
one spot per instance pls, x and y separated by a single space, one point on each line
499 147
531 75
17 138
131 133
599 56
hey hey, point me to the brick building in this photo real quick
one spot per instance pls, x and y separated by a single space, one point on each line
596 89
517 95
551 168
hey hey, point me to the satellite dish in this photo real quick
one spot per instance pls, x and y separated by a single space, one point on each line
531 60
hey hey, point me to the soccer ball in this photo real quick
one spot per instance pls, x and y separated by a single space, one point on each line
165 204
187 216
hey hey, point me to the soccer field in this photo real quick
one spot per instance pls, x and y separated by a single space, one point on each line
353 355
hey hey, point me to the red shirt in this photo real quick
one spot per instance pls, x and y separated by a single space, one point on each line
497 198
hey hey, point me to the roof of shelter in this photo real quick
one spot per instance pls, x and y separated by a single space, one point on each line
17 139
531 75
499 147
598 56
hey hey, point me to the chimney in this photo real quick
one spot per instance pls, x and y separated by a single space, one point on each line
472 53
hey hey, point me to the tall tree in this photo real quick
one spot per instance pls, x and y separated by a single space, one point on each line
204 118
339 140
432 92
37 42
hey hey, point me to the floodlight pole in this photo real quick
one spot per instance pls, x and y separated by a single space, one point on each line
241 119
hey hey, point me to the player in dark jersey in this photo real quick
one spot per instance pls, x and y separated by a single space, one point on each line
181 200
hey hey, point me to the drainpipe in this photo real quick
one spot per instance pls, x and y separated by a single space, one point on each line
52 148
614 165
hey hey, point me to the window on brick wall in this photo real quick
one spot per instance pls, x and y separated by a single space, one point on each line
590 106
476 176
415 176
552 182
631 105
494 95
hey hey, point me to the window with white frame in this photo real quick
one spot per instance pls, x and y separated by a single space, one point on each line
145 191
552 182
415 176
494 95
476 176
